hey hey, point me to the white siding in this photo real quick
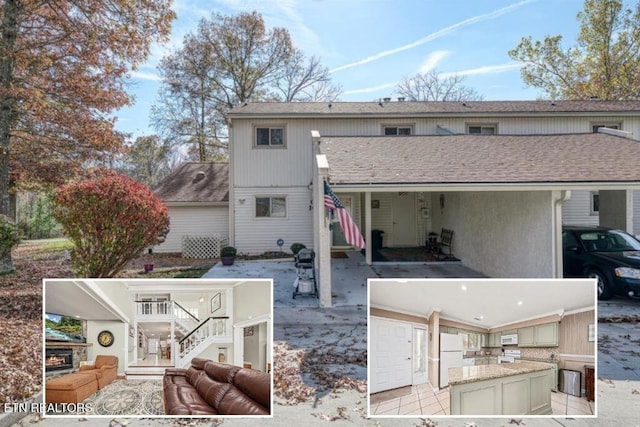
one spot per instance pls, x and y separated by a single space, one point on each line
194 221
501 234
577 210
257 235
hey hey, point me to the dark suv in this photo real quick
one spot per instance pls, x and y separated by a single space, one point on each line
608 255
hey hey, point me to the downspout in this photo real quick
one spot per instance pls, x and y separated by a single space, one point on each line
231 209
556 238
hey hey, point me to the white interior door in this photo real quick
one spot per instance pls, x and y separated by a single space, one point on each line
420 358
404 219
391 350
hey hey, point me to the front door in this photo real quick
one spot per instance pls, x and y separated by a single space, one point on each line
391 351
404 219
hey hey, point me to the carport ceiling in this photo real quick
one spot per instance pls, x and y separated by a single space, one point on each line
487 303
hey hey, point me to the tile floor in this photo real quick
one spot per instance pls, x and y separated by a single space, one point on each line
152 360
422 400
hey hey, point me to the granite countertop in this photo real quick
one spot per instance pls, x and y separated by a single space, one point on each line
468 374
546 360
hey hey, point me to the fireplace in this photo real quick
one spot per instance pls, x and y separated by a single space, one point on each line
56 359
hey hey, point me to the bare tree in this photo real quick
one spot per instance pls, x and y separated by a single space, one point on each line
305 80
432 86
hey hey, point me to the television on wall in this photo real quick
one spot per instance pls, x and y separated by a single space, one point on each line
63 328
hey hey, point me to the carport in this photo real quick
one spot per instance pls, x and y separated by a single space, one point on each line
501 194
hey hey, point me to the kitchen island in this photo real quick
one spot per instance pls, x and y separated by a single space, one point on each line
501 389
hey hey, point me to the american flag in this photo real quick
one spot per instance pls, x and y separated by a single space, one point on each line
349 227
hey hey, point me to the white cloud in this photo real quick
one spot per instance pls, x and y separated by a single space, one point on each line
433 59
146 76
436 35
488 69
370 89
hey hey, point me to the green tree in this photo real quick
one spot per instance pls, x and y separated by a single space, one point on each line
63 69
110 219
432 86
148 159
605 63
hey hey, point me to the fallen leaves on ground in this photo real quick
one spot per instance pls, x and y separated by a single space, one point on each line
21 321
627 318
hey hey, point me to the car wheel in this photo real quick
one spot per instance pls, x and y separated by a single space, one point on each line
604 288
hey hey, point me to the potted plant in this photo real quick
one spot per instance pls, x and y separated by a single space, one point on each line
296 247
228 255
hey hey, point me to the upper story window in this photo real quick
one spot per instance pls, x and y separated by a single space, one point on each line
271 207
398 130
610 125
272 136
482 129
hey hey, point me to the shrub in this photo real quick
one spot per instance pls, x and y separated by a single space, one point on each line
9 235
228 252
111 219
296 247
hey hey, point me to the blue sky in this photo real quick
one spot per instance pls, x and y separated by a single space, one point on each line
370 45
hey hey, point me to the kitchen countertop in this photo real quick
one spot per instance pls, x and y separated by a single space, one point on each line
468 374
547 360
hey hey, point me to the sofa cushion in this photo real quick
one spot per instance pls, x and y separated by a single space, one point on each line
70 381
235 402
103 360
255 384
221 372
185 401
212 391
198 362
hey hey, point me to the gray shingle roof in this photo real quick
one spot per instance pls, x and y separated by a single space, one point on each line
196 182
395 108
482 159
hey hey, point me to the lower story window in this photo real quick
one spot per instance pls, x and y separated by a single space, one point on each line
595 203
271 207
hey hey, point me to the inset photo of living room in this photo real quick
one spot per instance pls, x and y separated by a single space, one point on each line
158 347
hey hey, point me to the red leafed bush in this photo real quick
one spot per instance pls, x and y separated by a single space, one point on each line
111 219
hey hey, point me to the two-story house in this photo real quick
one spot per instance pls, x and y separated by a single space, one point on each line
150 325
504 175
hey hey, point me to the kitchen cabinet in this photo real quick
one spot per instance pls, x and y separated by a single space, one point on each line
526 337
499 390
494 340
589 382
545 335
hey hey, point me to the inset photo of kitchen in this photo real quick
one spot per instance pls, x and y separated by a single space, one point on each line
482 347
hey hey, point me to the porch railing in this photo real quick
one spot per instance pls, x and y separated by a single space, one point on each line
164 310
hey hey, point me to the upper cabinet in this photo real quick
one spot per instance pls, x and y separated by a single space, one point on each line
545 335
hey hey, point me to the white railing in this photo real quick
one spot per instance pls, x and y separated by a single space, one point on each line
213 327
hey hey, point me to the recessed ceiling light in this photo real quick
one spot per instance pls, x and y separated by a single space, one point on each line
463 287
479 318
520 303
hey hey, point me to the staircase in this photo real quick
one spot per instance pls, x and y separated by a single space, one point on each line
211 330
194 336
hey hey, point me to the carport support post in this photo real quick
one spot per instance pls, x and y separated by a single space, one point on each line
321 241
367 227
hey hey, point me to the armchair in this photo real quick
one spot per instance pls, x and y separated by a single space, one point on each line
105 370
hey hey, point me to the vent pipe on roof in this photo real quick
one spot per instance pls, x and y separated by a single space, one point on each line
400 98
386 99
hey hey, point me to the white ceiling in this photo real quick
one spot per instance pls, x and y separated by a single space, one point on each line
487 303
71 298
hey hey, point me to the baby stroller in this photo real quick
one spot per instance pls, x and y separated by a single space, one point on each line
305 283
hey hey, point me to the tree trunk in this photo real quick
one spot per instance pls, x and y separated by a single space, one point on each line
8 32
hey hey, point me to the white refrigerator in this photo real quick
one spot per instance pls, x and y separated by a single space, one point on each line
450 356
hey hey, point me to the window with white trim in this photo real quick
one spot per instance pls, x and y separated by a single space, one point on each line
271 206
595 203
269 136
482 129
398 130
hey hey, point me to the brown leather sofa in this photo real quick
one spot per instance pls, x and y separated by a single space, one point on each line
212 388
105 370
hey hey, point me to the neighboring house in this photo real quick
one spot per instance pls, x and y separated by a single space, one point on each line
500 174
167 322
197 196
